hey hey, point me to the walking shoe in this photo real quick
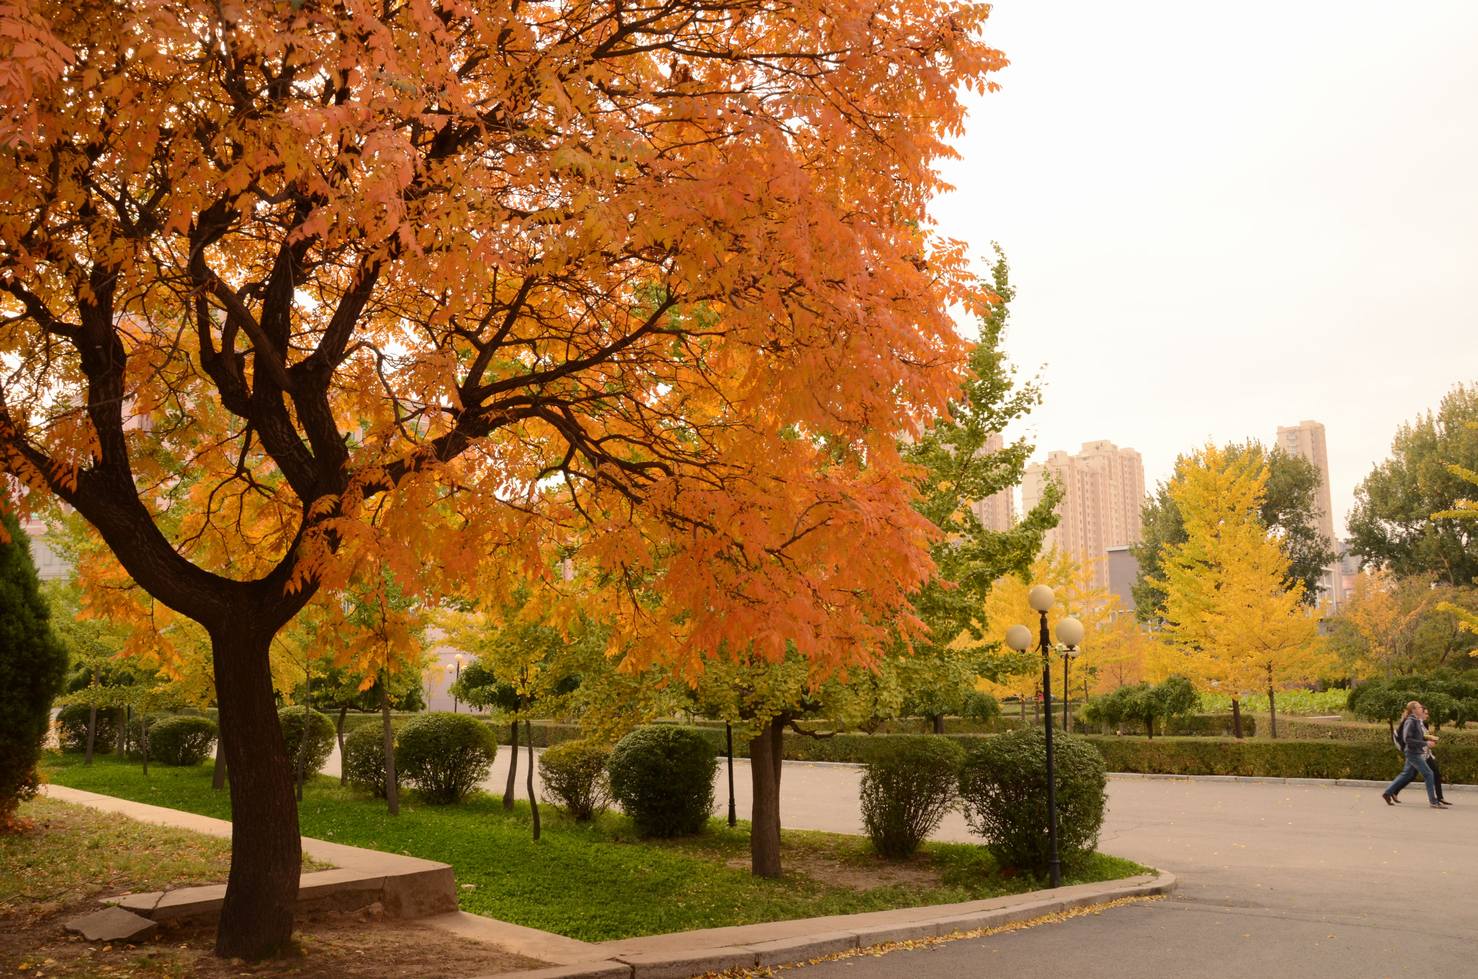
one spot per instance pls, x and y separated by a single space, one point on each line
1391 800
1438 805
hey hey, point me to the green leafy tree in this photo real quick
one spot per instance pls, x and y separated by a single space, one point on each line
1392 524
1289 509
33 665
957 469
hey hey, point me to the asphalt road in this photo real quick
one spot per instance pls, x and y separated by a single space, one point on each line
1275 880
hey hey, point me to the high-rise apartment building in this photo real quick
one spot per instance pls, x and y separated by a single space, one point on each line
1306 441
996 512
1103 490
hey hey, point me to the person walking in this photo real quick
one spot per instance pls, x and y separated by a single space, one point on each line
1431 763
1411 734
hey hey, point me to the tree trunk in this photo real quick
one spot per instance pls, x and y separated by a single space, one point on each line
764 818
392 781
1272 712
512 786
938 722
339 731
144 739
1149 726
218 771
92 732
1236 717
266 852
528 730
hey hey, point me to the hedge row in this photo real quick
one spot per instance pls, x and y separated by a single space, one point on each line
1361 732
1285 757
1191 725
1282 758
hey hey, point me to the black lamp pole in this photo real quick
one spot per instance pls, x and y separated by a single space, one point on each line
729 738
1066 694
1055 867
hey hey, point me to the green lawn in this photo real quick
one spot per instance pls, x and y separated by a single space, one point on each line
597 881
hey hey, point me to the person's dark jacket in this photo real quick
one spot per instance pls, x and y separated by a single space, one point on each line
1412 735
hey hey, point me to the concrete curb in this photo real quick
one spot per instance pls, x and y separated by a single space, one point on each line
407 887
1363 783
685 954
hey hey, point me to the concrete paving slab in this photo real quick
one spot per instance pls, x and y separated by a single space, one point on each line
112 925
608 969
785 950
530 942
660 965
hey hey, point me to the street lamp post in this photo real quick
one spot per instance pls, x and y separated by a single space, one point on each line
1019 638
1069 634
458 658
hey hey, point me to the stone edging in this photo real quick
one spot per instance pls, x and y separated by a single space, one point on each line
407 887
686 954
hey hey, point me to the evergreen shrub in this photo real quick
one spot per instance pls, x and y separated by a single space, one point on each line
1003 789
181 739
445 755
364 756
71 729
33 666
575 777
319 730
663 778
907 787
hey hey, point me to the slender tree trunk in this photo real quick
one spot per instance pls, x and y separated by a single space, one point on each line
266 852
92 732
512 786
938 723
339 731
764 827
1236 717
392 781
528 730
123 732
1149 725
144 738
218 771
1272 711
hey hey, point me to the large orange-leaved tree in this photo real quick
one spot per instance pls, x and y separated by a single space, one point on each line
298 297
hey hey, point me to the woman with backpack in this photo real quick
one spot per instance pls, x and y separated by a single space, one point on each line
1431 760
1411 737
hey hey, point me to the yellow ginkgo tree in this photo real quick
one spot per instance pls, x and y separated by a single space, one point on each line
1463 509
1231 606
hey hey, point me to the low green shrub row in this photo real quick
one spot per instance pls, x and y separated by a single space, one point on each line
1283 758
1361 732
1190 725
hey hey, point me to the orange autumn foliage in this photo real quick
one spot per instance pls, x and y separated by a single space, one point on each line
305 297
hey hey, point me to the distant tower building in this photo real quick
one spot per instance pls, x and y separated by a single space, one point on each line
1103 490
1306 441
996 512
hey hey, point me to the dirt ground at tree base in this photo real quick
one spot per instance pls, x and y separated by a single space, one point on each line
343 945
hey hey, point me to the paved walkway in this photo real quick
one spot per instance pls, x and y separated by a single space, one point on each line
1275 880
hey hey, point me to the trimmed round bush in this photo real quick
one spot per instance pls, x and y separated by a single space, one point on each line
575 778
1003 790
445 755
182 739
364 757
909 783
296 721
71 728
663 778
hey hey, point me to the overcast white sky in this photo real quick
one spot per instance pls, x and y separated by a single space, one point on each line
1222 218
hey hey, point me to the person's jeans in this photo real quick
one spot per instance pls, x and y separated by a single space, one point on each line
1415 765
